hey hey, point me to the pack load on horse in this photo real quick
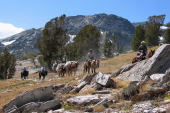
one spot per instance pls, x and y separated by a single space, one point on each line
43 73
60 69
71 67
143 53
54 65
24 73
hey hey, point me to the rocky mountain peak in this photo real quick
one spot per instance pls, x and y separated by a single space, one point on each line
110 24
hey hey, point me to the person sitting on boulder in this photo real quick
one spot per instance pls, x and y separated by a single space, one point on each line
142 50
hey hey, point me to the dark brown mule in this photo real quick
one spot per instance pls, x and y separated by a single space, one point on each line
148 55
24 75
43 74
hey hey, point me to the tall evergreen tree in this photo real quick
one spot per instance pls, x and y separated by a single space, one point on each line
167 34
153 29
87 38
138 36
108 47
115 39
52 41
7 65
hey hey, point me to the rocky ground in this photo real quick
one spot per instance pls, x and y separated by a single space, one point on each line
143 87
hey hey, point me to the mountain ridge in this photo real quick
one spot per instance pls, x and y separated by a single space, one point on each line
111 24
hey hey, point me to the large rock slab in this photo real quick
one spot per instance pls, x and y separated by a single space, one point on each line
158 63
62 89
157 77
84 100
40 94
40 106
86 80
166 77
104 80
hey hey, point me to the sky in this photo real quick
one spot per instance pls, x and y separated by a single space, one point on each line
20 15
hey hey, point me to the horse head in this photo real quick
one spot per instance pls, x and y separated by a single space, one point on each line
150 53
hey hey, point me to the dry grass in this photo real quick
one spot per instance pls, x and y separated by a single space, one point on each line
122 105
146 86
98 108
120 83
88 91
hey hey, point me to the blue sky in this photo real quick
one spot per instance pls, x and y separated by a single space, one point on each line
26 14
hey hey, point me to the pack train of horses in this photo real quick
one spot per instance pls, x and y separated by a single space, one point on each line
66 69
70 67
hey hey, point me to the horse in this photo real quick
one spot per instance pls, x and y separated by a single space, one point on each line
61 70
150 53
138 57
42 73
87 65
24 75
71 66
94 65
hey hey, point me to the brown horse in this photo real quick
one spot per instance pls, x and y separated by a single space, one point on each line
138 58
94 65
87 65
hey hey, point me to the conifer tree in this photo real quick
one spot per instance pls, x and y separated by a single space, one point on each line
167 34
138 36
115 39
88 38
51 43
108 47
153 29
7 65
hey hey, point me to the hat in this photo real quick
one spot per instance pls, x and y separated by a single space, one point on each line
143 42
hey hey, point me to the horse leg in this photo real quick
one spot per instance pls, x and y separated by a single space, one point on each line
39 76
21 77
92 70
88 70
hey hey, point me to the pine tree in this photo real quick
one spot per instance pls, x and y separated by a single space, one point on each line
108 47
138 36
167 36
51 43
115 39
88 38
7 66
153 29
